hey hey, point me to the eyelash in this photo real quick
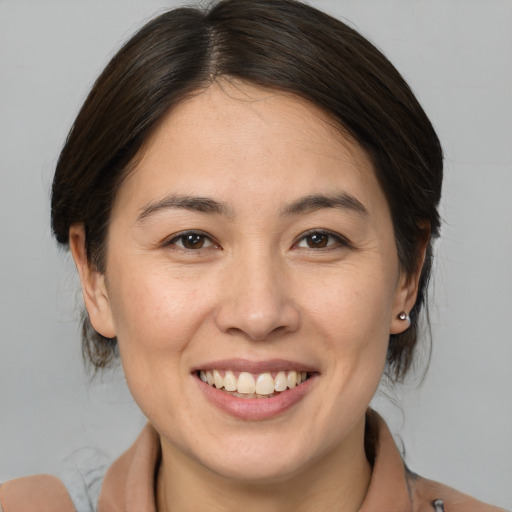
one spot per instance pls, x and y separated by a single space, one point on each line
180 240
181 237
339 241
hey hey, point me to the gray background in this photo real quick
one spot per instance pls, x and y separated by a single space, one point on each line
457 56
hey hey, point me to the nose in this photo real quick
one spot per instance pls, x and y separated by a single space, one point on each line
257 301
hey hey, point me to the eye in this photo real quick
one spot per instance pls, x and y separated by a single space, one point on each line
321 240
192 240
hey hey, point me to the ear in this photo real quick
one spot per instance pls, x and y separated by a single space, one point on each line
94 289
407 290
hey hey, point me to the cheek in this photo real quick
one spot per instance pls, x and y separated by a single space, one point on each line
153 312
352 312
156 319
348 319
352 303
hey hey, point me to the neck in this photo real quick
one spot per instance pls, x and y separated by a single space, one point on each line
336 482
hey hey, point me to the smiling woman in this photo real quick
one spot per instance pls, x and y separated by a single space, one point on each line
250 196
263 270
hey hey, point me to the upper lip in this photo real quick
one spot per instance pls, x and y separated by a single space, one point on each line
250 366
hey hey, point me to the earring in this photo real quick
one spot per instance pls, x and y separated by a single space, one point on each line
403 316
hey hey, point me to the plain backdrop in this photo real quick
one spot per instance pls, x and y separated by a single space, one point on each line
456 55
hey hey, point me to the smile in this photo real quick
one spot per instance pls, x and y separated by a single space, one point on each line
250 385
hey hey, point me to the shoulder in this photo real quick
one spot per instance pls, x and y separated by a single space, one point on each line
426 493
37 493
394 487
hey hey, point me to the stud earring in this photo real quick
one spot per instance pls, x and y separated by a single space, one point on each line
403 316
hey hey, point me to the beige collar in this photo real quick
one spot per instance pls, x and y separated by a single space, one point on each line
130 482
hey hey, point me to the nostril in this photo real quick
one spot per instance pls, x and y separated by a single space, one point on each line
257 322
255 334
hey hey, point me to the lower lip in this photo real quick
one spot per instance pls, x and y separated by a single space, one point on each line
251 409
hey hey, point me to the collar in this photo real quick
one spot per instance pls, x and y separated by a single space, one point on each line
129 484
389 489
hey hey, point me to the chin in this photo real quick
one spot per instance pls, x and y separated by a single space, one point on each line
256 469
258 459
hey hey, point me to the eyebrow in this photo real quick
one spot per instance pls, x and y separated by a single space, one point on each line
343 201
206 205
192 203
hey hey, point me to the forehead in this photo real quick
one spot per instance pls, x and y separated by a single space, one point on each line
234 138
256 116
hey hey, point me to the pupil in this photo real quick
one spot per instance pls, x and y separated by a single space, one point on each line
318 240
194 241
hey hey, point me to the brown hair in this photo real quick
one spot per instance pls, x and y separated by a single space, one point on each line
281 44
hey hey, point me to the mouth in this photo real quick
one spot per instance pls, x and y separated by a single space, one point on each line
255 390
242 384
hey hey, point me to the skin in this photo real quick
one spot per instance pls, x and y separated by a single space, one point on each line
258 289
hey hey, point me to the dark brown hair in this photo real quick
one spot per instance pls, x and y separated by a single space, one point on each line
281 44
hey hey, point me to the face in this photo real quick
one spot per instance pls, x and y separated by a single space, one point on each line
252 244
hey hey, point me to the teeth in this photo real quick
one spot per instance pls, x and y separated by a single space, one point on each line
281 382
249 386
230 381
246 383
218 379
264 384
292 379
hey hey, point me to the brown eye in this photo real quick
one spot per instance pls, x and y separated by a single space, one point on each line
192 241
317 240
321 240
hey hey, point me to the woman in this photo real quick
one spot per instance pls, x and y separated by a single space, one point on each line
250 197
